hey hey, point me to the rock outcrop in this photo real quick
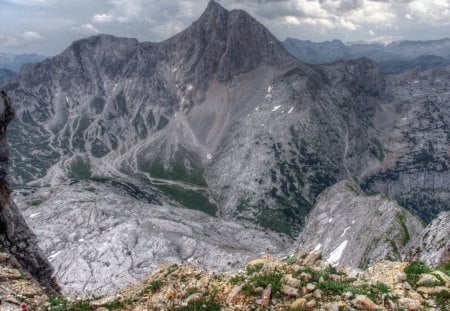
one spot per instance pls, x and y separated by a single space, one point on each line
15 235
353 229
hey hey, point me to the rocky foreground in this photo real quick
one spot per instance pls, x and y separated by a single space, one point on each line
299 282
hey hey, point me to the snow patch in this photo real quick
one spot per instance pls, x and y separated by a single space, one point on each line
336 255
174 69
276 108
257 109
290 110
34 215
353 222
209 156
52 257
330 220
345 230
190 87
67 99
269 89
81 240
269 96
317 248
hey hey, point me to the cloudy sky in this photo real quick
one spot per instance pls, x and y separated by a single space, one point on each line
49 26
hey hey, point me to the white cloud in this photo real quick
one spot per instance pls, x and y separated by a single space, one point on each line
31 36
86 29
20 40
103 18
436 11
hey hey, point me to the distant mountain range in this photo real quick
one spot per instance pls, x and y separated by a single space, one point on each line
394 57
14 62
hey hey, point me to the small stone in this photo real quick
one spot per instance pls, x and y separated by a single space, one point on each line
433 290
102 302
259 290
363 302
335 277
406 286
347 295
290 291
400 277
333 306
236 290
317 294
267 293
305 277
311 304
310 287
427 280
409 304
415 296
298 303
311 259
288 279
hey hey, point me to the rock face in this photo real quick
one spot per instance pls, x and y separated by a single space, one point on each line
15 235
434 247
342 218
413 135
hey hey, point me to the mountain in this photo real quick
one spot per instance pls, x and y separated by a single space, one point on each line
394 57
318 52
213 147
14 62
5 76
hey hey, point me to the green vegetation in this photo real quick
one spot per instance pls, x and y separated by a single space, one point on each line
36 202
248 290
190 199
237 279
263 280
376 149
177 169
57 303
79 169
291 260
153 287
204 304
172 269
405 233
373 292
443 300
413 271
445 268
254 268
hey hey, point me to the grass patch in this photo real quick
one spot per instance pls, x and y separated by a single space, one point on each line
237 279
405 233
248 290
291 260
263 280
79 169
413 271
57 303
254 268
204 304
190 199
153 287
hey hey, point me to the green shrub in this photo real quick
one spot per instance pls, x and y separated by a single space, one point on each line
414 269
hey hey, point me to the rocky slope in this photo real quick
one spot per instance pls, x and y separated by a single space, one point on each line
299 282
343 218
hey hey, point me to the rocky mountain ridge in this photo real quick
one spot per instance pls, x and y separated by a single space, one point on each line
395 57
222 120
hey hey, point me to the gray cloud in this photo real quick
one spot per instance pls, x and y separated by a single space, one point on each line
58 23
